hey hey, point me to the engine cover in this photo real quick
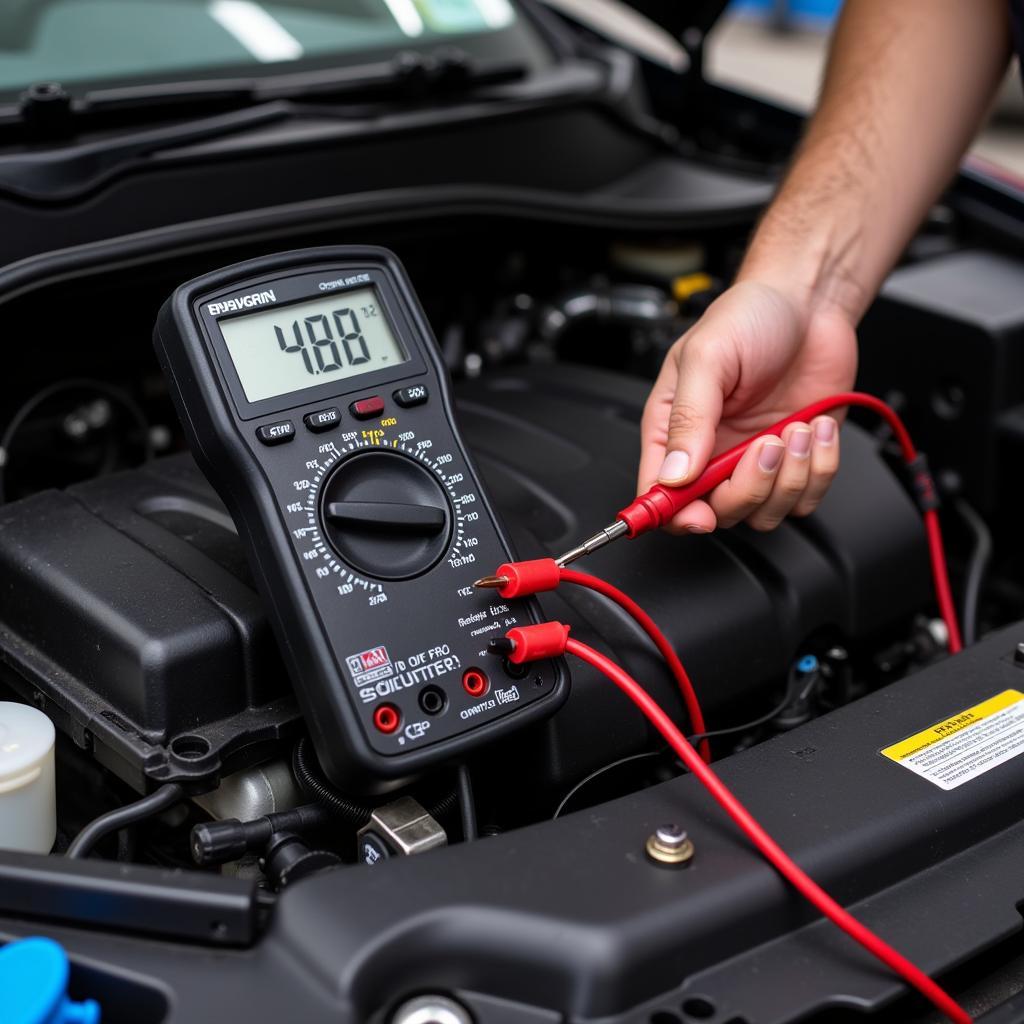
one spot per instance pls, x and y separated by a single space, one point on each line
129 610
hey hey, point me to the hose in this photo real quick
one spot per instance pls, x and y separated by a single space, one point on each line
467 805
121 817
307 772
977 566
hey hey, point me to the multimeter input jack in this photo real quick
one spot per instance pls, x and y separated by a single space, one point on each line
475 682
433 700
387 718
514 671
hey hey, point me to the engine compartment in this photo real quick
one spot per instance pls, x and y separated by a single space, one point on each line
165 663
129 617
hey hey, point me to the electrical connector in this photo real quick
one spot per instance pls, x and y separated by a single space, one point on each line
535 643
521 579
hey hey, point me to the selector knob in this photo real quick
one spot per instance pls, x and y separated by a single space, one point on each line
386 515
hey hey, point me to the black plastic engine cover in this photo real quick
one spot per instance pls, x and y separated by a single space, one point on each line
129 608
557 450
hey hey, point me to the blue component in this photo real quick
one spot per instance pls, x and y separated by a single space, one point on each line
802 11
807 664
34 986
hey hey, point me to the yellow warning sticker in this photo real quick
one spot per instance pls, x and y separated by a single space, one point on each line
966 745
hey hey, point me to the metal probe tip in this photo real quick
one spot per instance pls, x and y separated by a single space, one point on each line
491 582
591 544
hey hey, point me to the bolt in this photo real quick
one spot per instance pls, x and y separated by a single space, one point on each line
669 844
431 1009
671 836
1018 654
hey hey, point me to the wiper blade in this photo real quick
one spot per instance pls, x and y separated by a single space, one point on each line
67 171
68 168
408 75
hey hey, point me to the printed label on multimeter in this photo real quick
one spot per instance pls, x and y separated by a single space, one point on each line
314 399
369 666
965 745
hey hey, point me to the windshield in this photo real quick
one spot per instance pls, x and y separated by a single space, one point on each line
88 42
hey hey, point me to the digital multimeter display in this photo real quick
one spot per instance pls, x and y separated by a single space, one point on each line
310 343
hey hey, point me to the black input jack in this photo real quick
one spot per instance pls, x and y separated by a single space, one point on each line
514 671
433 700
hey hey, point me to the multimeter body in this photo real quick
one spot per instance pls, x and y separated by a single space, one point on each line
314 399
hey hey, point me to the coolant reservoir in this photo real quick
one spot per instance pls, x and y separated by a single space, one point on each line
28 812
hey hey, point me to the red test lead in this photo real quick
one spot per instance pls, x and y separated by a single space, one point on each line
522 579
657 506
530 643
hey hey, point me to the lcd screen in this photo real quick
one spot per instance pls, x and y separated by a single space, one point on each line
310 343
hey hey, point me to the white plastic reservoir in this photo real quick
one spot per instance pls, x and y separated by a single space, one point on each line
28 801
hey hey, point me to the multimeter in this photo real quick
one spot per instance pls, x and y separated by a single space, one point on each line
313 397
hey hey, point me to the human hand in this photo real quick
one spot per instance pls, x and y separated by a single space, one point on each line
754 357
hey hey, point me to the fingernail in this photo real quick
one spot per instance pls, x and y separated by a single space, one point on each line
697 529
771 455
825 430
800 442
674 468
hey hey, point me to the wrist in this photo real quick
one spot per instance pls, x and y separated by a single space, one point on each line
812 246
815 267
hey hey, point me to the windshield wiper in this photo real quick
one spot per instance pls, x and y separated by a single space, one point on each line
409 75
68 168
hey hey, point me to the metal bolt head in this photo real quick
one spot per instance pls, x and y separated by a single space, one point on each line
1018 654
670 836
669 844
432 1009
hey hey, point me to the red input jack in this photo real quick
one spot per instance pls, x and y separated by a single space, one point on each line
387 718
475 682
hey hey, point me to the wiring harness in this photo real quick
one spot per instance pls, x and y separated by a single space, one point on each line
654 508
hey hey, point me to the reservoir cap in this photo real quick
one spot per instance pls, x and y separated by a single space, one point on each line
33 986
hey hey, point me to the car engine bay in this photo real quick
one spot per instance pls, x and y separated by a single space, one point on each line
554 285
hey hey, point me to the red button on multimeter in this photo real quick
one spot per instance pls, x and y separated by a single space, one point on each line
367 408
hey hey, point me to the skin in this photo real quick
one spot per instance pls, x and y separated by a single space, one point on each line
907 84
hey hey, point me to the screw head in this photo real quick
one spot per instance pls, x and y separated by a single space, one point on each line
1018 654
669 844
670 836
431 1009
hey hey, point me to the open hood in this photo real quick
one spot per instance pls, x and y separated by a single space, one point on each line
679 16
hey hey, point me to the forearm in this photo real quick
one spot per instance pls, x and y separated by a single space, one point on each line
907 84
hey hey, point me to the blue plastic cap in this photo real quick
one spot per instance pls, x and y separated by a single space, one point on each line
807 664
34 986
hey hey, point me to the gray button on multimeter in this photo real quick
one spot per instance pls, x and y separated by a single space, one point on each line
321 420
364 534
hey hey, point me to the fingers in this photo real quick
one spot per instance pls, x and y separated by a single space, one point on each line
824 464
697 517
654 424
779 476
694 414
790 481
751 483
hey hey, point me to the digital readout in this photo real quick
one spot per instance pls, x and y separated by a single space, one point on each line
310 343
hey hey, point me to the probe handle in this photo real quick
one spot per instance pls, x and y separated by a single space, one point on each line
658 505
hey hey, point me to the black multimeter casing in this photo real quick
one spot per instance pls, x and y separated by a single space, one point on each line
329 628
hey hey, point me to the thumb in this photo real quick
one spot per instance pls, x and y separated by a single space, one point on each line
694 417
